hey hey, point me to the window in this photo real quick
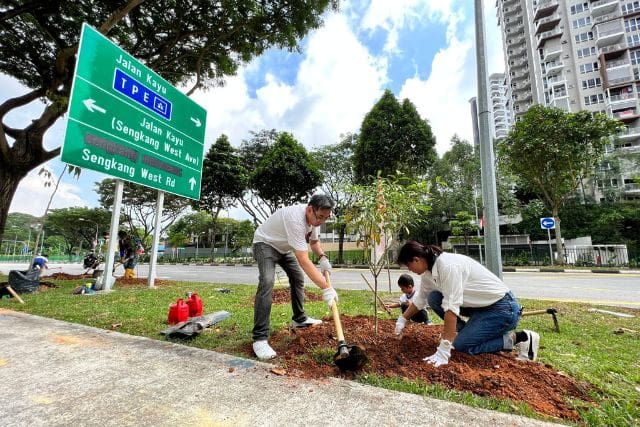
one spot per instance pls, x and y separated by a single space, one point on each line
633 40
583 37
587 68
631 24
581 22
580 7
631 7
590 83
635 57
594 99
587 51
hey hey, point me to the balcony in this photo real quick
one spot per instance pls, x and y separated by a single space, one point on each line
632 188
626 115
602 7
556 81
543 37
547 23
629 133
609 37
613 48
508 11
552 68
617 63
518 63
520 75
518 51
605 18
552 54
544 8
620 81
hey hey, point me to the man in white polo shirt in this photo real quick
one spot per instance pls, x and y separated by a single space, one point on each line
284 239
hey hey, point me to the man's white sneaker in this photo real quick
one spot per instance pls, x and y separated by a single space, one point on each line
309 321
263 350
528 350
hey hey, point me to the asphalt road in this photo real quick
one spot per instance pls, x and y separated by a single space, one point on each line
597 288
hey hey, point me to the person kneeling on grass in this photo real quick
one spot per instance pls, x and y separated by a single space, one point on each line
455 285
405 283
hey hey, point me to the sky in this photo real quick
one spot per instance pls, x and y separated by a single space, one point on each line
423 50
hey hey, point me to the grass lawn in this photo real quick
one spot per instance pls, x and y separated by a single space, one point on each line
600 348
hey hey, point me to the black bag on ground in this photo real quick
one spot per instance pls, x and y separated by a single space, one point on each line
24 282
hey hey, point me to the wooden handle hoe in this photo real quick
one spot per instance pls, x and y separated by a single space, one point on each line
347 358
15 294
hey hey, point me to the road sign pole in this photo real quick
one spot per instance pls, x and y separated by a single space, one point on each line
549 241
156 240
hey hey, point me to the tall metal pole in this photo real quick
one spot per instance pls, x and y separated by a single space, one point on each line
492 230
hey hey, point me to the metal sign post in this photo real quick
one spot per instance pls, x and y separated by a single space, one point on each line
548 223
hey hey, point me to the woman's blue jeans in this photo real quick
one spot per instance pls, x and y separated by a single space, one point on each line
487 328
267 258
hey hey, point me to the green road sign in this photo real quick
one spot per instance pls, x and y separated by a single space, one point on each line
128 122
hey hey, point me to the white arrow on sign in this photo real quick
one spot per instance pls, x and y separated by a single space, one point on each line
192 181
196 121
91 106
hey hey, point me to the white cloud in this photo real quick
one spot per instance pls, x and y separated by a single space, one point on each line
336 84
443 97
393 16
32 196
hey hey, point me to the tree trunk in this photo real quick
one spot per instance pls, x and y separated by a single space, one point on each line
341 233
558 233
9 180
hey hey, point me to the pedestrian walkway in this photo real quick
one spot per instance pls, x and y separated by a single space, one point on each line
56 373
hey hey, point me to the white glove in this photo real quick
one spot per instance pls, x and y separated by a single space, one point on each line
329 295
400 324
325 265
442 354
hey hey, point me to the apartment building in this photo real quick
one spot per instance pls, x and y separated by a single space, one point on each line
499 103
579 55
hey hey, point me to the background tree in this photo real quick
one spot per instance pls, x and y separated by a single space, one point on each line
453 180
196 226
251 152
462 225
549 151
381 211
78 235
194 42
393 137
139 207
286 174
224 180
335 162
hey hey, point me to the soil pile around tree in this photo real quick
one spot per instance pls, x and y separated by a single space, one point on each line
305 353
120 281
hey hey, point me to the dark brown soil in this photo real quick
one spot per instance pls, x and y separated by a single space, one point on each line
120 281
283 296
544 389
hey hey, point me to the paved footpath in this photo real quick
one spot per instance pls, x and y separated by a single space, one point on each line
55 373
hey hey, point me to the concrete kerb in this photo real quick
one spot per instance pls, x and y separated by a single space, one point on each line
59 373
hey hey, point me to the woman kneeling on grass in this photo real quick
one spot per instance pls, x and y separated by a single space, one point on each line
455 285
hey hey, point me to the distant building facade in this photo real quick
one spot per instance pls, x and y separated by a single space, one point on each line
579 55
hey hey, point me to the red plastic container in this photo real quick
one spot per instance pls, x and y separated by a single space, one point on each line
195 305
178 312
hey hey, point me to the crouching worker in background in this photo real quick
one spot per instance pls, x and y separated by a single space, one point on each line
130 249
405 283
455 285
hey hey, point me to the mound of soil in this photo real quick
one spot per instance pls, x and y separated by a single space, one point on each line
545 390
120 281
283 296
